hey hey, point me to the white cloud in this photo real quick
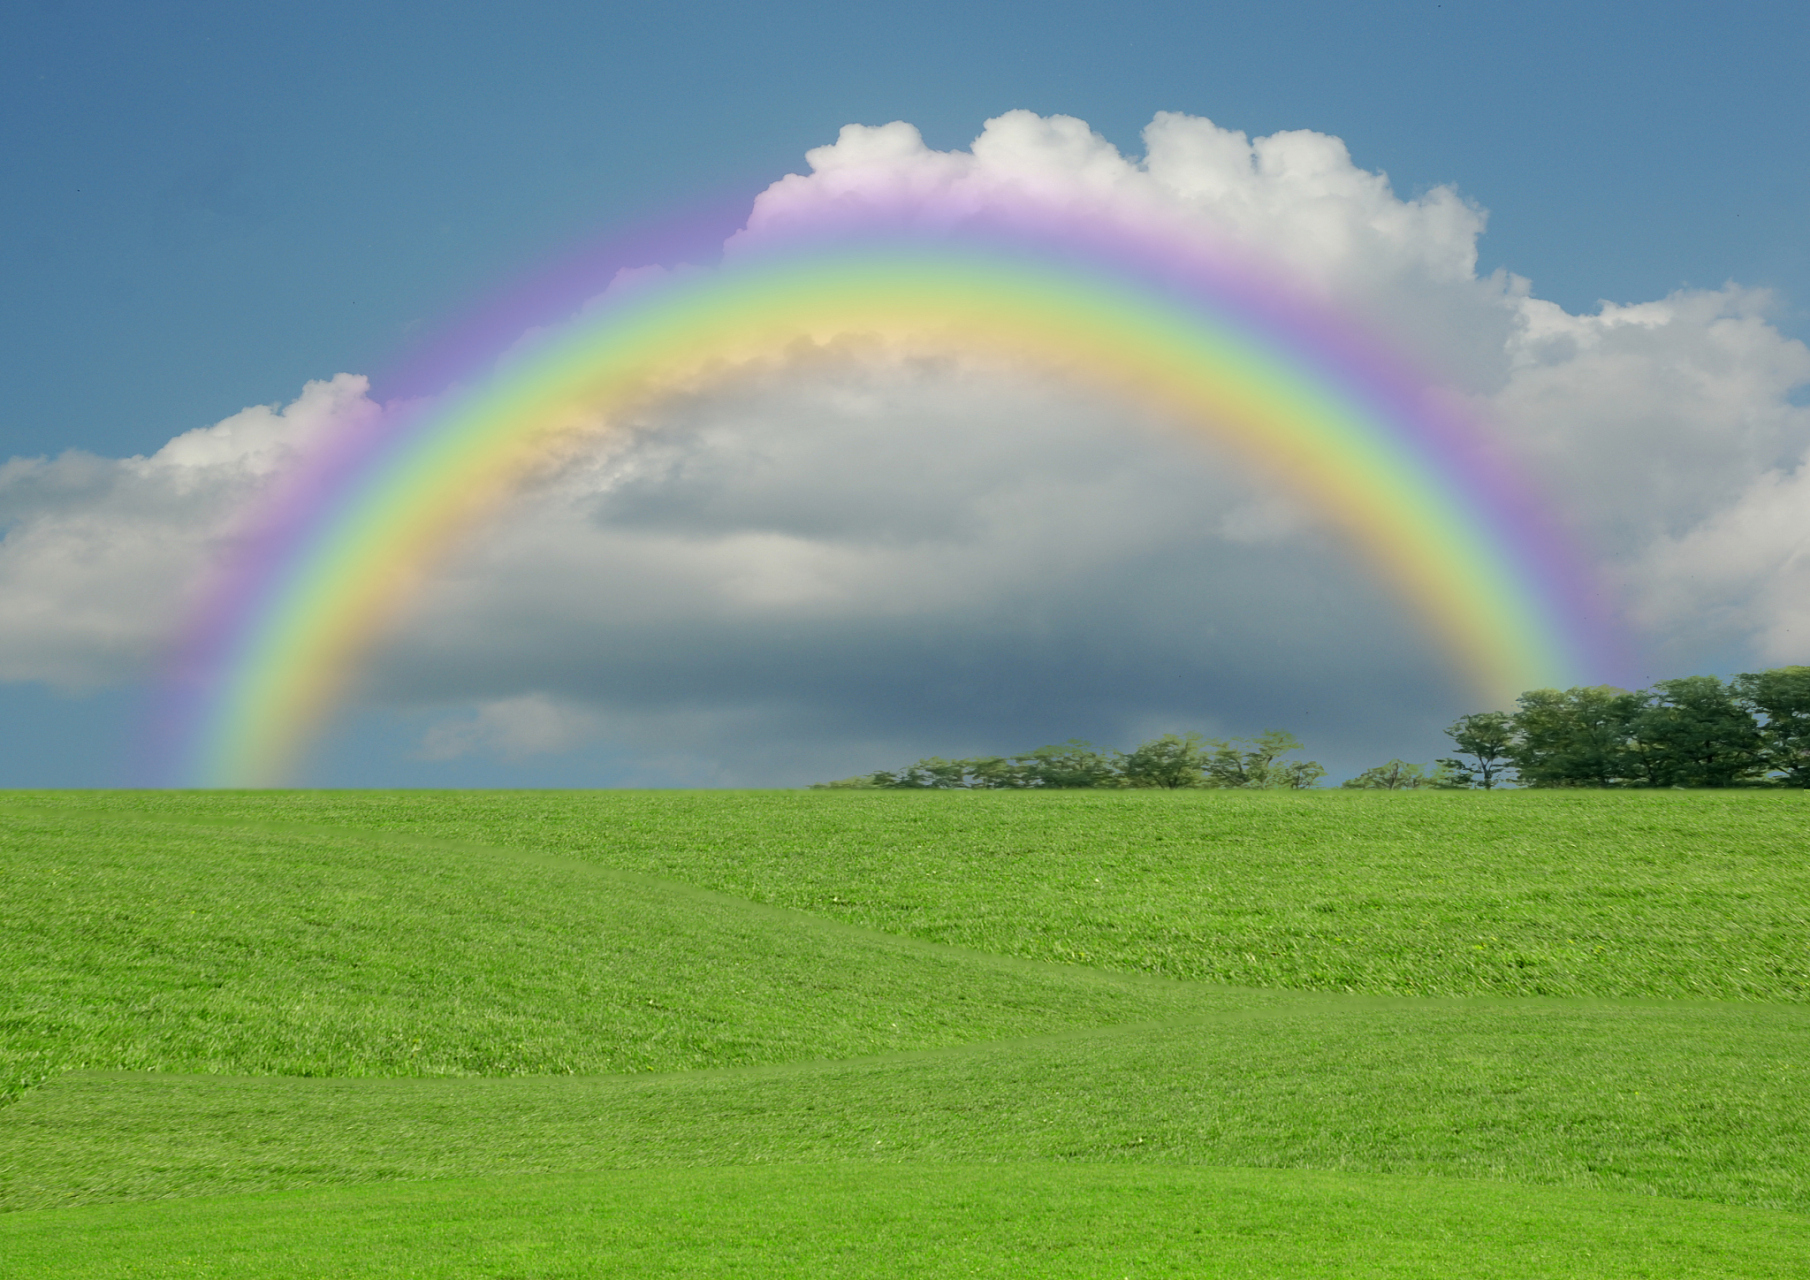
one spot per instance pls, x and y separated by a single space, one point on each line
862 557
101 554
1295 198
1743 575
1647 420
1297 194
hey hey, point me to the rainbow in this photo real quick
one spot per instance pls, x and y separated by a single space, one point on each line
1196 334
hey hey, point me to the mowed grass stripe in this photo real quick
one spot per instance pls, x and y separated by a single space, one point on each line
154 947
1695 1102
905 1221
1662 894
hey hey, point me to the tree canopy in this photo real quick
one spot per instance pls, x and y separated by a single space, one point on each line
1694 731
1399 775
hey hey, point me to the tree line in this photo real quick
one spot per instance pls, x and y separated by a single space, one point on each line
1172 761
1696 731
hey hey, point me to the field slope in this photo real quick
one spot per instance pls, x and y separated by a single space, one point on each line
784 1033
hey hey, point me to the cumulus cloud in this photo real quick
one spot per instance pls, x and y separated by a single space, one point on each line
1740 577
838 564
1295 193
101 554
1408 266
1647 420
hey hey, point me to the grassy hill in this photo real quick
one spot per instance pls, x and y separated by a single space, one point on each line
886 1034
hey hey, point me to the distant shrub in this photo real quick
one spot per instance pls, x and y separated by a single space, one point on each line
1399 775
1172 761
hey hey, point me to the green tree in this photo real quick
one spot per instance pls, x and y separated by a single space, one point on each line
1782 697
992 773
1693 732
1397 775
1074 763
1259 765
1299 775
1486 737
932 772
1172 761
1575 738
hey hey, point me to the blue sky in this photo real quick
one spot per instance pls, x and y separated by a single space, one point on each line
207 206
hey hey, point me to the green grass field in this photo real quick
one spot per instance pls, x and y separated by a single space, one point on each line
784 1033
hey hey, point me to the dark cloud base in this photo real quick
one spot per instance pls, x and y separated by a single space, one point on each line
1275 639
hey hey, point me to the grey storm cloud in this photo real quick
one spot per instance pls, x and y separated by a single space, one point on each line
923 560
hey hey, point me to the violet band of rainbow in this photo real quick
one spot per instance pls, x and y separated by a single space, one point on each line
1187 333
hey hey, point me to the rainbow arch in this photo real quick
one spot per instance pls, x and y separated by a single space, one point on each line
1193 336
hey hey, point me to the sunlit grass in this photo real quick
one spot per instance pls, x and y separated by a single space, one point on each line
1014 1220
153 947
1508 1032
1707 1102
1668 894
